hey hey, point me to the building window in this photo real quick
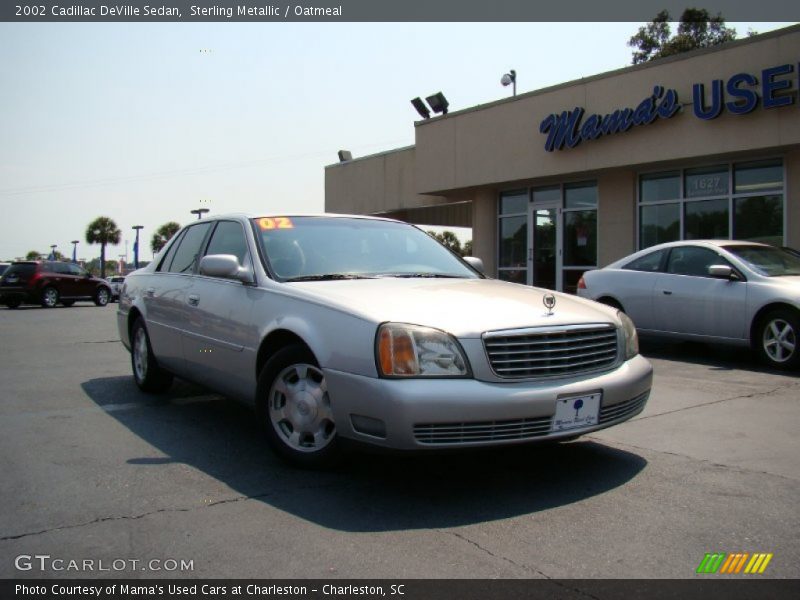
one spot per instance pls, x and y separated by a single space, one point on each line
742 201
512 264
580 233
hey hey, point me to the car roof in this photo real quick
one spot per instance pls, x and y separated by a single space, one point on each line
681 243
273 214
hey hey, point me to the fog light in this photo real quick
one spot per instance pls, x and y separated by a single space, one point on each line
368 426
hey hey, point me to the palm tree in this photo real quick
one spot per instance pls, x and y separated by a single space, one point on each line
163 235
103 231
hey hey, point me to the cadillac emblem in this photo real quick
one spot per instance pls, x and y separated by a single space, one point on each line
549 301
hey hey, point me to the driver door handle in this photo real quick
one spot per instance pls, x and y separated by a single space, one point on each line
194 300
667 292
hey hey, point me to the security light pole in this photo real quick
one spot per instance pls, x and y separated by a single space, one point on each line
138 228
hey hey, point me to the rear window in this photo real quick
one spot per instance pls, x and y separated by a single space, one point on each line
21 269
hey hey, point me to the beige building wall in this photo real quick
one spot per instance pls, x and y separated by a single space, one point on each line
501 142
484 235
616 215
374 184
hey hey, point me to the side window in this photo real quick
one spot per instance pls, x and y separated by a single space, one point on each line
649 262
60 268
693 260
189 249
75 270
165 262
228 238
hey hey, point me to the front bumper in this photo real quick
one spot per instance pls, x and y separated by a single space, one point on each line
402 414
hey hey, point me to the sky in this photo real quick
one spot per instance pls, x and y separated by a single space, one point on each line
144 122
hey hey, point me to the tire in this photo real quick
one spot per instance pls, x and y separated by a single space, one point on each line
50 297
294 408
146 373
13 303
777 338
68 303
102 296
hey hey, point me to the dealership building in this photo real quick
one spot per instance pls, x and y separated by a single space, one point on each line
568 178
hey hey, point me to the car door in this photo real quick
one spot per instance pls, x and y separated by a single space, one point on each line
83 285
218 327
165 295
688 301
633 285
62 279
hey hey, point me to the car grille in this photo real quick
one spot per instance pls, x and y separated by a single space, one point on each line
621 410
456 433
553 351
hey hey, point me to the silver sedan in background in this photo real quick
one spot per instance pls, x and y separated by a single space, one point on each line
368 329
719 291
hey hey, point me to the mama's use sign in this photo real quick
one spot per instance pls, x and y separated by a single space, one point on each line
739 95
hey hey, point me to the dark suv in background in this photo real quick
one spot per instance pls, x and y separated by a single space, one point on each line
48 283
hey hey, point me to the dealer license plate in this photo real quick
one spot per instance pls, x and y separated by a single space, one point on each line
576 411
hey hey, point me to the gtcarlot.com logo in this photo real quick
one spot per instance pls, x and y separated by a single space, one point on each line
45 562
735 563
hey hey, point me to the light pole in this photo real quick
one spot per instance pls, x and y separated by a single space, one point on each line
74 250
53 251
199 212
138 228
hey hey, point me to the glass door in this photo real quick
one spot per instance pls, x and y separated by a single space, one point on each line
544 254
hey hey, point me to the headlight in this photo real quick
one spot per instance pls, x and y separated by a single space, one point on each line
413 351
631 338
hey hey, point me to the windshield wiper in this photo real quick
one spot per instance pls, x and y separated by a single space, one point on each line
328 277
421 275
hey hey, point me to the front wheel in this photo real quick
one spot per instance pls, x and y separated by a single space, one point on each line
148 375
295 408
49 297
101 296
776 340
13 303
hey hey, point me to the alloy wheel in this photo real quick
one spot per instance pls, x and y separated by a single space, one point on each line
140 354
779 340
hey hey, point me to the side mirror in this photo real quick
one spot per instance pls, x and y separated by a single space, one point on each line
225 266
476 263
721 272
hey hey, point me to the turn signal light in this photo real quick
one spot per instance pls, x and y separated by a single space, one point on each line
581 283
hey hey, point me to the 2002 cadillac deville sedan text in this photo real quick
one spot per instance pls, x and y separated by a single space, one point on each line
368 329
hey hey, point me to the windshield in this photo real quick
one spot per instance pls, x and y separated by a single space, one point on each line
320 248
766 260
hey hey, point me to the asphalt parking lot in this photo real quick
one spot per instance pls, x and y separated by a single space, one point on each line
94 469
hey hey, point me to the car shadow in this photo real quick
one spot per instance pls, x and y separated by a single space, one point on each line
369 492
718 357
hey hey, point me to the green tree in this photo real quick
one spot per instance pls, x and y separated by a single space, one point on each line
697 29
449 240
162 235
33 255
467 250
103 231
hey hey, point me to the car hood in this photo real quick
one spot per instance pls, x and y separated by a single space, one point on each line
462 307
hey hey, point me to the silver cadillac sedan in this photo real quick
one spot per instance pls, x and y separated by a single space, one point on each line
356 328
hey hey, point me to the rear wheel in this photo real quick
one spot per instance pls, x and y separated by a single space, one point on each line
68 303
101 296
49 297
148 375
295 409
777 337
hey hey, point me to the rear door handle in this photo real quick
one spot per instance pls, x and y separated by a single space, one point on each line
150 291
667 292
194 300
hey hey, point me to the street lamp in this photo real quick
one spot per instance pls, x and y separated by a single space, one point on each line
74 250
510 78
199 212
53 251
138 228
